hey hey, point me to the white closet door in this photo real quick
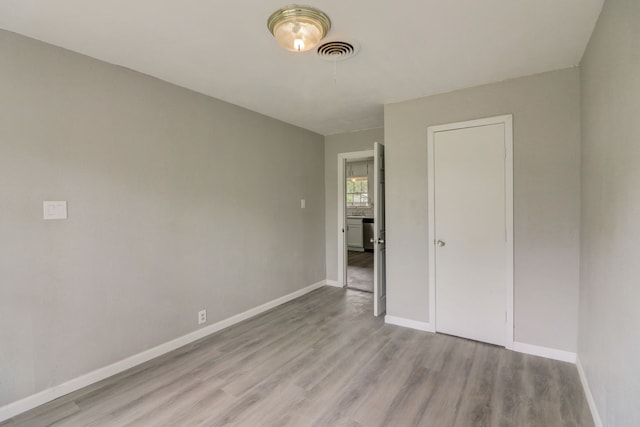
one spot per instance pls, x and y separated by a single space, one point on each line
470 238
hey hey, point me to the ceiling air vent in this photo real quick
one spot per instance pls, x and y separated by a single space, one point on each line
337 50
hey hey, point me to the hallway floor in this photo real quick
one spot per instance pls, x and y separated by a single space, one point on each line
360 271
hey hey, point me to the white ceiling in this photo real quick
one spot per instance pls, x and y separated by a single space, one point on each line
409 48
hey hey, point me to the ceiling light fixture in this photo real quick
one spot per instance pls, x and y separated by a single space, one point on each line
298 28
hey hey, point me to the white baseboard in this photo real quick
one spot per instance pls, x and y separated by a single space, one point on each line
549 353
334 283
407 323
597 421
30 402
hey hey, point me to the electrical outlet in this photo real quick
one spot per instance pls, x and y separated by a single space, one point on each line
202 317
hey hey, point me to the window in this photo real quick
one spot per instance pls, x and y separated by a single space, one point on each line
358 193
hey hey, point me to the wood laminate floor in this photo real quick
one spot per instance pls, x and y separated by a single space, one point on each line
360 271
323 360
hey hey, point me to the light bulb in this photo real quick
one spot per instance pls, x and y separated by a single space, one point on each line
298 44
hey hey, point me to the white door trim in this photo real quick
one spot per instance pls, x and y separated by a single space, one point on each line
342 211
380 232
507 120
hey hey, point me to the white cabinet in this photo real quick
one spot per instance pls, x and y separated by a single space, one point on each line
354 234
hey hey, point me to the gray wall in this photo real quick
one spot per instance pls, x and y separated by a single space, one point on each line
546 111
333 145
177 202
609 343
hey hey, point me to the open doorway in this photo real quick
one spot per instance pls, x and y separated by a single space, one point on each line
359 206
361 229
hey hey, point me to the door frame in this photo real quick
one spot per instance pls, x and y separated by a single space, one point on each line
380 232
342 210
507 120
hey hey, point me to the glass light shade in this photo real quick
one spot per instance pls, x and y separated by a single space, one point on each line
298 34
298 28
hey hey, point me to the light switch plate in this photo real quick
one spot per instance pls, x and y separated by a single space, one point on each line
303 204
55 209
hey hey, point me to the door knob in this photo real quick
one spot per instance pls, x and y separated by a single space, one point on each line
380 241
441 243
371 240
